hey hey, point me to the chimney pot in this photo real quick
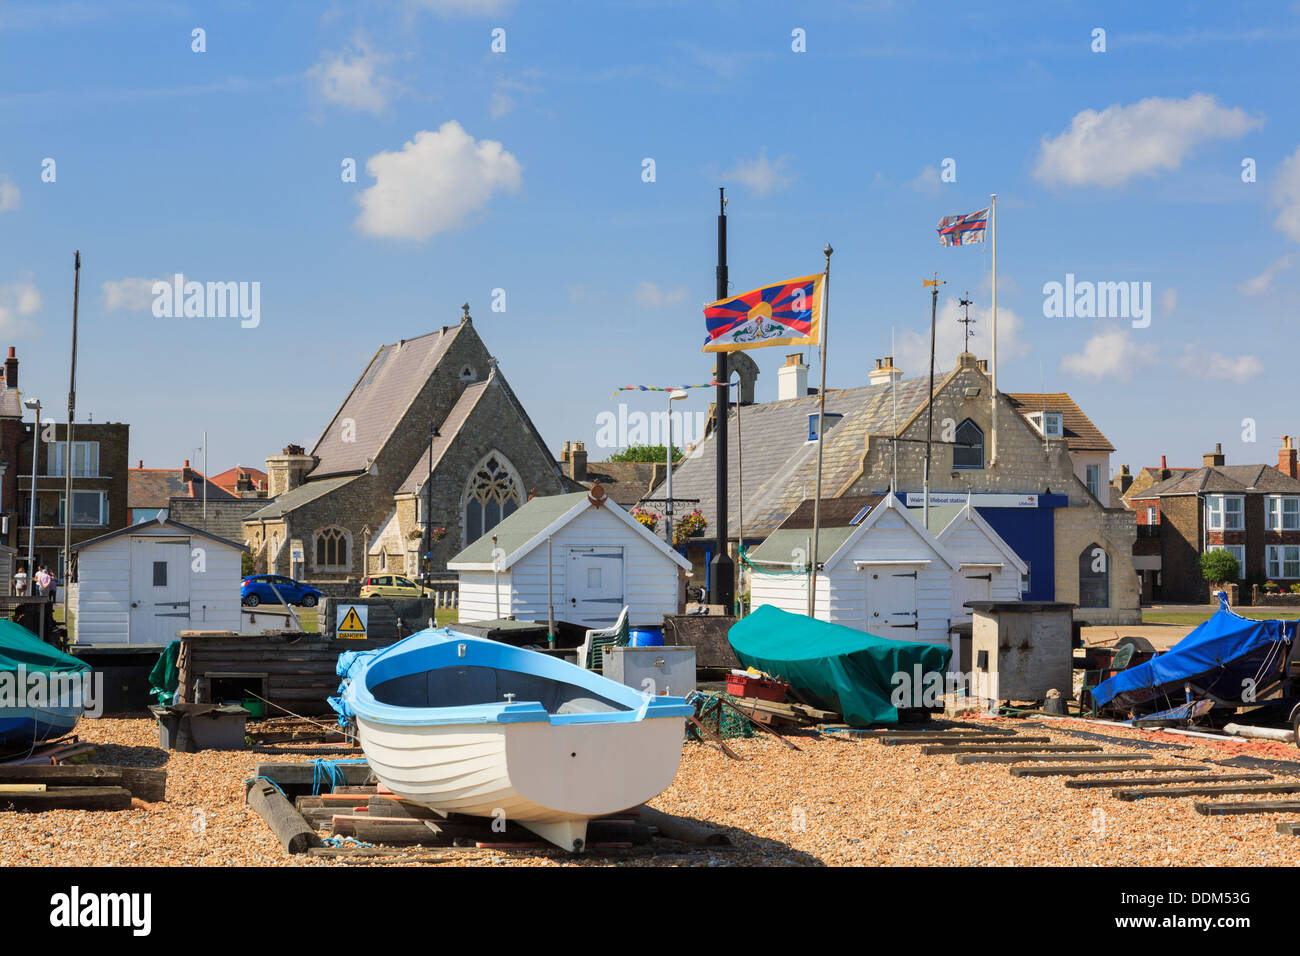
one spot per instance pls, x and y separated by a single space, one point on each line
11 369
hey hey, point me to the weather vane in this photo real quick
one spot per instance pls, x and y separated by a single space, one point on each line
967 320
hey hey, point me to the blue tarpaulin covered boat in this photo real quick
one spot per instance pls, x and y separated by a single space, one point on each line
1229 659
42 690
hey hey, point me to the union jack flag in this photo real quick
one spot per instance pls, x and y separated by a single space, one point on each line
962 230
784 313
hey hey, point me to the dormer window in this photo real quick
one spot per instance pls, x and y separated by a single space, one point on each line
1052 425
832 418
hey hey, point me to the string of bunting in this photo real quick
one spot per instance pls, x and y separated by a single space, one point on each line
665 388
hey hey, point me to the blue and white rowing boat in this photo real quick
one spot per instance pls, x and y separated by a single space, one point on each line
43 691
468 725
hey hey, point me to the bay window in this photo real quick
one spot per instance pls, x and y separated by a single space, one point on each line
1225 512
1283 513
1283 561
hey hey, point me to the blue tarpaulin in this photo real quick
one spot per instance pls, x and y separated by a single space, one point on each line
1222 659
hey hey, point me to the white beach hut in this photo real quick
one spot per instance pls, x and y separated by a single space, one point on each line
881 571
579 557
143 584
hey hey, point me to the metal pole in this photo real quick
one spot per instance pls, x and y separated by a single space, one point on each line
993 398
72 414
668 505
929 405
740 496
550 593
205 484
722 578
428 511
31 527
821 433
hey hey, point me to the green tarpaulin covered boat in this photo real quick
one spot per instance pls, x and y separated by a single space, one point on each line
835 667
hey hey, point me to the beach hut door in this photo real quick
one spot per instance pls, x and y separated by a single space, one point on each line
891 602
594 586
160 589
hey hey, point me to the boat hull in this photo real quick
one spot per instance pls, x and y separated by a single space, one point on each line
549 778
22 728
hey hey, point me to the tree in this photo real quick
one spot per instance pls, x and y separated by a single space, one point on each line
1220 566
655 453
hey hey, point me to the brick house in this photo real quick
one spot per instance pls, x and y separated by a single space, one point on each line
12 434
1035 494
150 490
355 503
1251 510
99 487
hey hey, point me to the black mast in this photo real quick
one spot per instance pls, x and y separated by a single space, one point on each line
722 572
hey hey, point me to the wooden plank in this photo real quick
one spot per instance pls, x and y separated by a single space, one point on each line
69 798
680 828
1076 770
1275 786
288 825
1157 781
1224 808
949 749
1017 758
962 740
1288 828
69 775
22 788
388 807
301 774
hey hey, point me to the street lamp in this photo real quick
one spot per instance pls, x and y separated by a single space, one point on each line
674 396
35 405
427 541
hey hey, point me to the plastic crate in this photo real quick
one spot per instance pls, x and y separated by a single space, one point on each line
741 685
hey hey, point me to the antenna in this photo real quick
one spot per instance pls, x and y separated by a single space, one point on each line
967 321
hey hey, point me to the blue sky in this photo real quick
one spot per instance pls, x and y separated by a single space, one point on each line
523 171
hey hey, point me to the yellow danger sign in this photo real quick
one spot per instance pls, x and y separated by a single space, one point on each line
353 624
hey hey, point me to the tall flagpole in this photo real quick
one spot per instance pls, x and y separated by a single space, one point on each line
929 405
821 433
68 456
722 584
993 398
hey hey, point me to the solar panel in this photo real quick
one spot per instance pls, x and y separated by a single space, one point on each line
860 515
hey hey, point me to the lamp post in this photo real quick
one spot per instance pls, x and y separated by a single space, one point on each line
35 405
428 512
673 396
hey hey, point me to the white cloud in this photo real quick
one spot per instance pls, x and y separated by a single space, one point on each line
500 104
480 8
1286 193
1258 285
1235 368
353 79
18 299
132 294
433 183
652 296
927 181
761 175
912 347
1110 353
1168 302
9 194
1111 147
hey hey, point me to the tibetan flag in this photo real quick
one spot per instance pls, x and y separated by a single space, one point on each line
962 230
785 313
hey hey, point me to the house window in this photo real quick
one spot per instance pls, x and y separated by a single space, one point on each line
1283 561
332 548
969 450
85 458
1238 551
1224 512
1283 513
1052 427
89 509
492 495
1094 480
1153 516
1094 577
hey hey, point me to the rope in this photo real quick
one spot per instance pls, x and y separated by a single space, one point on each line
341 842
332 728
323 770
271 782
744 559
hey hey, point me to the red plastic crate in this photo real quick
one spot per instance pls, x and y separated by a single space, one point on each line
743 686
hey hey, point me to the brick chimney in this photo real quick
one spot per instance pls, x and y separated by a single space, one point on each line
1213 459
1124 480
578 461
1286 457
286 471
11 369
792 378
186 474
1164 469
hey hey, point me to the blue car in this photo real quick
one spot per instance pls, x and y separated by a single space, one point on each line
256 589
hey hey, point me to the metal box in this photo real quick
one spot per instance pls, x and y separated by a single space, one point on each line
1021 649
659 670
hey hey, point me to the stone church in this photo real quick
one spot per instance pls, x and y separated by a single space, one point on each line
354 505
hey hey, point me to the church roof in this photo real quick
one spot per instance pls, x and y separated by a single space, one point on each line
387 387
447 433
299 496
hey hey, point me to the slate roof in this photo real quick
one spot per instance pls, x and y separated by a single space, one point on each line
1233 479
780 463
387 387
627 482
1080 433
780 547
299 496
519 528
154 487
447 433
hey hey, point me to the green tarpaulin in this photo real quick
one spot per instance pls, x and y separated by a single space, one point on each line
165 676
20 646
835 667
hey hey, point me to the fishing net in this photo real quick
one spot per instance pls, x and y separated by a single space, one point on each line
719 718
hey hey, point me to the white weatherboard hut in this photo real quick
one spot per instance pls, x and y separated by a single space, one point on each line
143 584
880 570
580 555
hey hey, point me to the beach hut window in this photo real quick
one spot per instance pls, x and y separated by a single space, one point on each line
968 452
1094 577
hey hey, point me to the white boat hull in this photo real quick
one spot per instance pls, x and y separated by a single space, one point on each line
550 778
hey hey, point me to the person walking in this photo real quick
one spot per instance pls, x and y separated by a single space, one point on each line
20 581
42 581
